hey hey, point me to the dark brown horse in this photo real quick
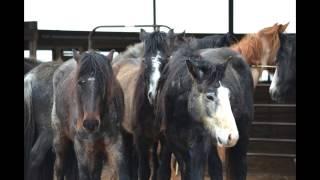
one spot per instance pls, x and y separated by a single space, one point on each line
87 114
139 74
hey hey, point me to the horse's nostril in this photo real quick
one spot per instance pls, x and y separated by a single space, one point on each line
149 94
90 125
210 97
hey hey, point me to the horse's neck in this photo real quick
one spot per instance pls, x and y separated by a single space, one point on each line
256 74
262 60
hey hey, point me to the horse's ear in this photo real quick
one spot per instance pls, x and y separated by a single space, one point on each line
143 34
171 33
194 70
232 38
76 55
181 36
110 55
282 28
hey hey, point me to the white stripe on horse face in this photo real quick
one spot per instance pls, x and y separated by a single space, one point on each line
222 123
91 79
154 77
91 84
273 86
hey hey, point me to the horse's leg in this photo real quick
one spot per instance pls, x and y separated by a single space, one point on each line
129 154
155 160
236 157
143 146
194 167
135 164
116 160
38 154
89 159
193 160
178 159
60 145
164 171
214 164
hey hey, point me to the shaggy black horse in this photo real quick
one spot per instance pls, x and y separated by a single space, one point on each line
206 97
86 115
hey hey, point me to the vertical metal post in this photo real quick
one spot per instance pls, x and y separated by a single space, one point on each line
154 15
231 16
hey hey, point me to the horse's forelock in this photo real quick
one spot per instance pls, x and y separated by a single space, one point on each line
97 65
155 42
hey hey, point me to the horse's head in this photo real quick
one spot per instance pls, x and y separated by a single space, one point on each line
209 101
157 49
283 85
93 80
271 42
226 40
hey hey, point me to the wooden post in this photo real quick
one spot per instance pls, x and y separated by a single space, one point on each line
33 49
57 54
82 49
31 35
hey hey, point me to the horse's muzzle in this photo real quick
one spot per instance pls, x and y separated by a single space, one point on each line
90 124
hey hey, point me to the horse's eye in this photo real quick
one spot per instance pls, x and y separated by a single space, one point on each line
81 82
210 96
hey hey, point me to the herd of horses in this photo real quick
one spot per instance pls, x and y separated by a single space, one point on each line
168 94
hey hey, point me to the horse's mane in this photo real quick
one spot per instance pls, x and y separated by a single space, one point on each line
215 41
155 42
250 47
212 41
287 47
133 54
274 40
286 57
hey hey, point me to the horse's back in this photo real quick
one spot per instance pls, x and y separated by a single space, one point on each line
29 64
133 54
63 71
127 75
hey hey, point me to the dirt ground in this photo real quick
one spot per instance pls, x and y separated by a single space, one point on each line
257 176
